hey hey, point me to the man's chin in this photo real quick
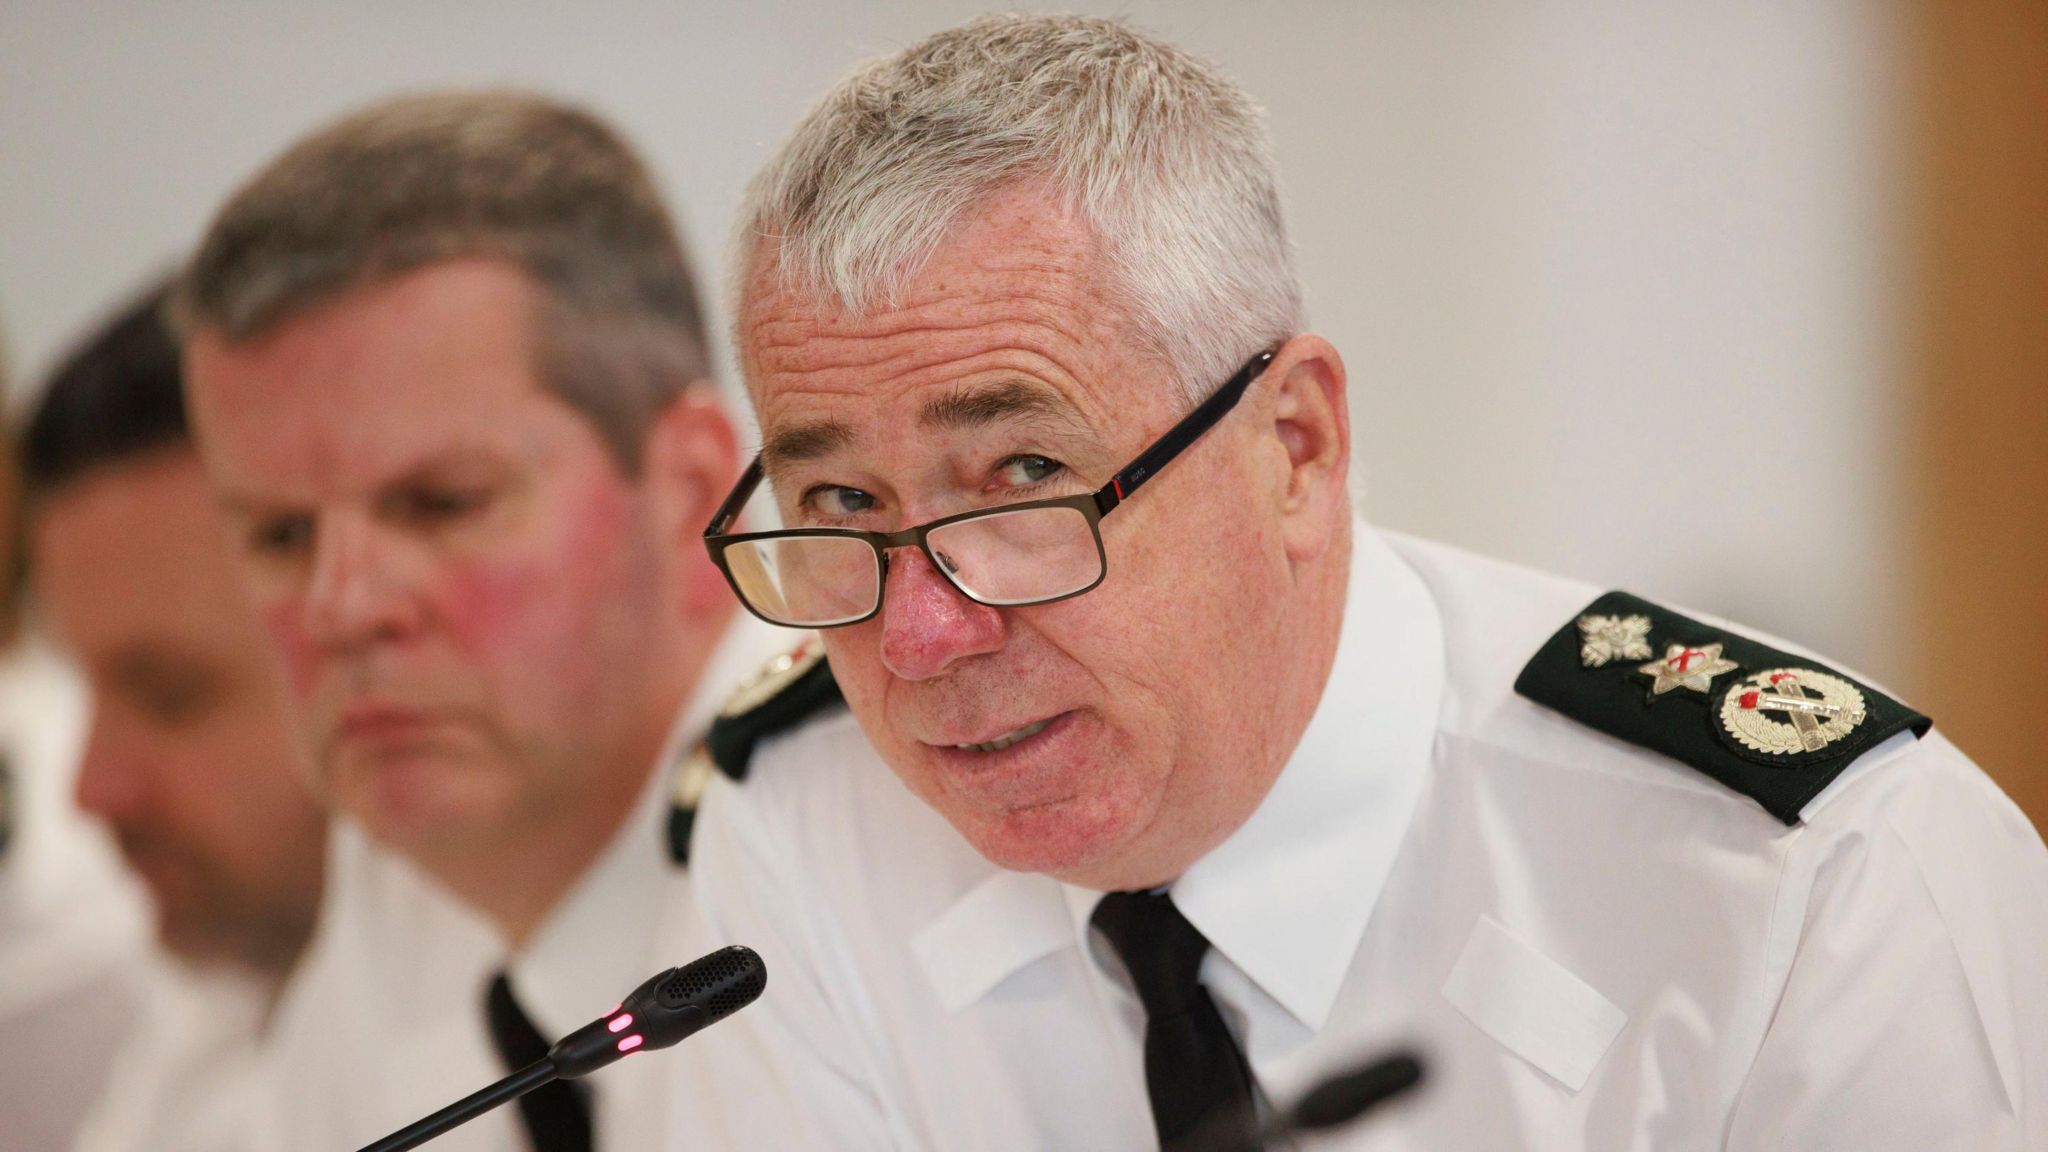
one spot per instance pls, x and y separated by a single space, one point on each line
1065 839
412 803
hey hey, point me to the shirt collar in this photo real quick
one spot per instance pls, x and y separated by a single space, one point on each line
600 940
1265 897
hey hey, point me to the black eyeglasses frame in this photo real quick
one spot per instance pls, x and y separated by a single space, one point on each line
1093 506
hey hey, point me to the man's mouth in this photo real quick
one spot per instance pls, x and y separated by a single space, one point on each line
1009 738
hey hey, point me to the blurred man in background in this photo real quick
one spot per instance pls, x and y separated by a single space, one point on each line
451 385
189 760
74 928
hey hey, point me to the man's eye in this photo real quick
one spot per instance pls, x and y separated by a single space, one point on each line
431 506
1025 471
834 500
281 536
172 704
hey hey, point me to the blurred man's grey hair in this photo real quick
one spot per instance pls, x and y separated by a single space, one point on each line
442 176
1165 159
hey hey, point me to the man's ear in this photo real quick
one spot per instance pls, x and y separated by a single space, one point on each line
1312 424
690 463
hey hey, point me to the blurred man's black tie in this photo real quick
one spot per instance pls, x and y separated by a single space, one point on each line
1196 1075
557 1115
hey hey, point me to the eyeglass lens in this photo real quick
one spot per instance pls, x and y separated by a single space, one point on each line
1007 557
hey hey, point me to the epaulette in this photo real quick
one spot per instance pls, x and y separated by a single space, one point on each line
1775 727
783 693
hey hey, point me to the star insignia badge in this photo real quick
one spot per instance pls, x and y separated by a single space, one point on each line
1605 638
1687 667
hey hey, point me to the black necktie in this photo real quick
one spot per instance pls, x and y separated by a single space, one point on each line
1196 1076
557 1115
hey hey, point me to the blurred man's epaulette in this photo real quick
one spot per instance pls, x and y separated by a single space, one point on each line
783 693
1775 727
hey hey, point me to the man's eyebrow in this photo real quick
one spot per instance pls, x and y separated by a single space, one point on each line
235 503
976 406
800 442
982 405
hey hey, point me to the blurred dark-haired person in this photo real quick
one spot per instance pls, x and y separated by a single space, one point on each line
1183 788
74 925
451 386
189 760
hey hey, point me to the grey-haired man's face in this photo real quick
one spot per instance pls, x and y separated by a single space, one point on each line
1006 374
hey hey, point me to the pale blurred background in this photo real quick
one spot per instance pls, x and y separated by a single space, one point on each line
1737 303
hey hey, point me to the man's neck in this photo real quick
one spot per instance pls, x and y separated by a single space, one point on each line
527 883
520 881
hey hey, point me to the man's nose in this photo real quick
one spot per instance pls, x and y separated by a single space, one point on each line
357 593
113 776
927 624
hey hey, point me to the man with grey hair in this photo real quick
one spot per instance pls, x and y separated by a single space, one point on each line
449 380
1182 789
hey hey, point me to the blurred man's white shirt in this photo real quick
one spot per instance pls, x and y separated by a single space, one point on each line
187 1075
1594 946
74 926
385 1020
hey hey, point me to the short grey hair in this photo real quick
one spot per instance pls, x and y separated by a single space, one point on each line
1166 159
440 176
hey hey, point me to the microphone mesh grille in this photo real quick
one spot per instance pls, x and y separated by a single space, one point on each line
721 983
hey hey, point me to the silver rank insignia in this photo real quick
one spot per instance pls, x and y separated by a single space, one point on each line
1605 638
763 683
1783 711
692 777
1686 667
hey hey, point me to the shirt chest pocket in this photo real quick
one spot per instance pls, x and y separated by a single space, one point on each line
1532 1005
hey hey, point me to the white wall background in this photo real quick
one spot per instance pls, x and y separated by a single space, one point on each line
1617 282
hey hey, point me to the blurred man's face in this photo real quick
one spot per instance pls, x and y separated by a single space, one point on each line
1006 374
466 590
191 760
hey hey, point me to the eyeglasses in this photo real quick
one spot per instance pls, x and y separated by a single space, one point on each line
1006 556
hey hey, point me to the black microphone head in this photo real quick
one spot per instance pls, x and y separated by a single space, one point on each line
1345 1097
664 1010
722 983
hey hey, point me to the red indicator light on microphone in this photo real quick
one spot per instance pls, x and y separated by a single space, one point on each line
630 1043
623 1022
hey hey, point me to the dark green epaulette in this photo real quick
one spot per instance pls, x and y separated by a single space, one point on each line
784 693
1775 727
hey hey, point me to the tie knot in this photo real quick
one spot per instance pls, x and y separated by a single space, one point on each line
1160 949
518 1042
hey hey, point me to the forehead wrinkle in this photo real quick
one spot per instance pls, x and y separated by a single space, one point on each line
1043 302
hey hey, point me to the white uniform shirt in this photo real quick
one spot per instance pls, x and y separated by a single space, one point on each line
183 1079
74 926
1594 946
384 1022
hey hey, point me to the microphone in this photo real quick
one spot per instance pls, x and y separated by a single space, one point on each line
1332 1103
658 1014
1348 1095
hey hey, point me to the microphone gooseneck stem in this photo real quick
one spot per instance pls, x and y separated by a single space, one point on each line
468 1108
